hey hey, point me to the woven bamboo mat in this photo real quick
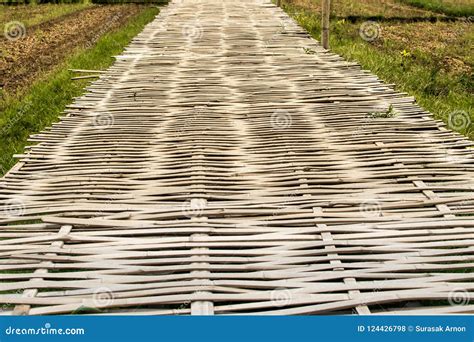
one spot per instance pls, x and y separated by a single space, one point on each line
227 164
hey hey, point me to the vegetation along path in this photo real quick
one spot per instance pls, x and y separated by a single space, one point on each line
227 164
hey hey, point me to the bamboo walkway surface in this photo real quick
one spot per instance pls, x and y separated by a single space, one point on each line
228 164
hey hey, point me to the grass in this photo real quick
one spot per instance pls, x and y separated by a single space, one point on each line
31 15
430 61
47 98
460 8
364 9
389 113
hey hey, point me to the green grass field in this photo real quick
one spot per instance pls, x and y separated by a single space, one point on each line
46 99
31 15
431 61
461 8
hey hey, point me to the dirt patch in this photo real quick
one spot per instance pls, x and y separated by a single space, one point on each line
365 8
444 42
30 15
46 45
447 43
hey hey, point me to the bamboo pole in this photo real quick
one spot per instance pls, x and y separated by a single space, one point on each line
326 8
